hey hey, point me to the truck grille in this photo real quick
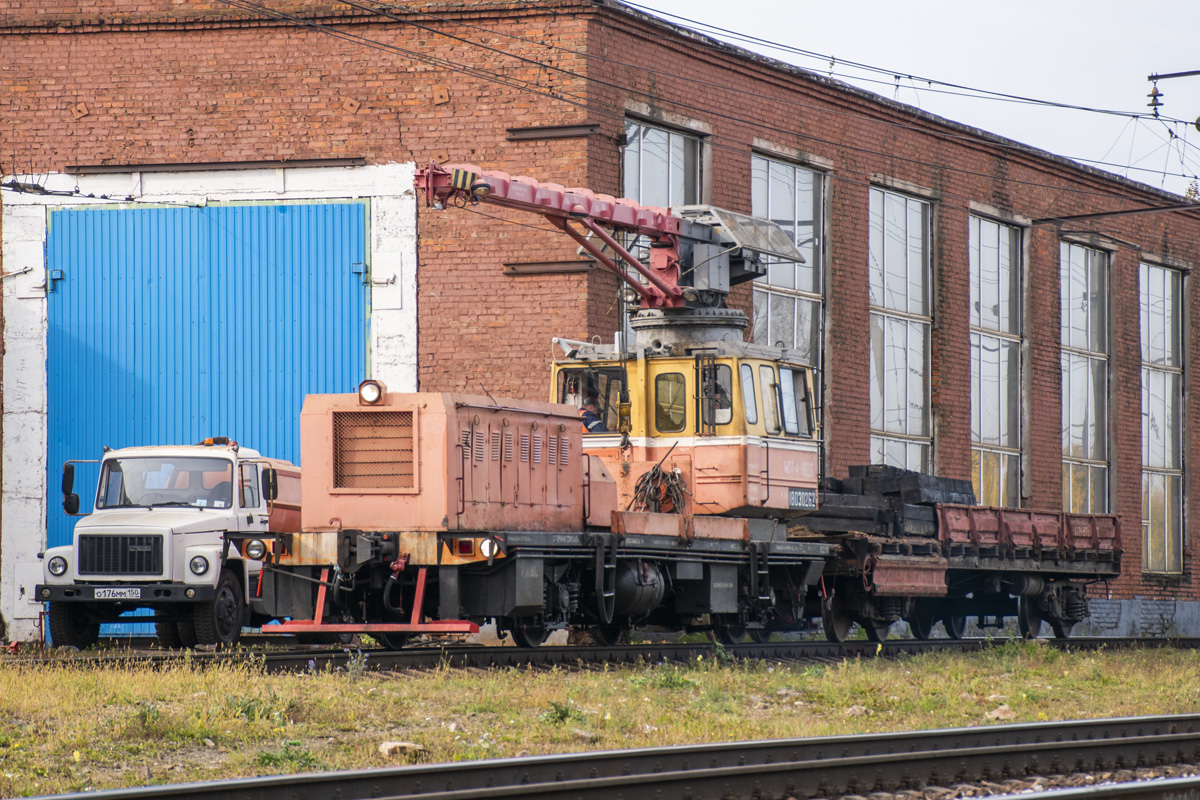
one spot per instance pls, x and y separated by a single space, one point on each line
373 450
120 555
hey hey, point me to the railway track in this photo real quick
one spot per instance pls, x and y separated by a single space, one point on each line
799 768
485 657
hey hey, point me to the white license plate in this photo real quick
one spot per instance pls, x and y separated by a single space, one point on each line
118 594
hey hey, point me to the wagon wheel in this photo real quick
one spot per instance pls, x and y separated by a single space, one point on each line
836 621
531 633
955 625
728 629
876 631
1029 617
608 635
392 641
921 621
759 635
1062 630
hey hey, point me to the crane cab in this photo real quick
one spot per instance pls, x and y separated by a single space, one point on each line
732 425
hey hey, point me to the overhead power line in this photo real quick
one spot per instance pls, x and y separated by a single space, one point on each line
607 109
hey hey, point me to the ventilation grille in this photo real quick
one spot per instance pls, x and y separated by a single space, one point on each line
120 555
373 450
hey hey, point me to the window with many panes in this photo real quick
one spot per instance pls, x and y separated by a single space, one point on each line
901 314
662 167
787 302
1083 288
995 274
1162 416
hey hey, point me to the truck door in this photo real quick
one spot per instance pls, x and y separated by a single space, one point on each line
250 500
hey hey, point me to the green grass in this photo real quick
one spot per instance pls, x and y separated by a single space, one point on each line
65 727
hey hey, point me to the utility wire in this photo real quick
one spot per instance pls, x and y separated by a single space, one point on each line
619 113
824 58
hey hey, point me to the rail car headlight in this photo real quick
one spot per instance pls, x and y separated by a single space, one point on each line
198 565
488 548
371 392
256 549
57 566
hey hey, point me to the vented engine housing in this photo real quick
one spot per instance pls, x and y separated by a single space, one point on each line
440 462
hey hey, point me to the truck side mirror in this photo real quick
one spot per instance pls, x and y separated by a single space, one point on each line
270 479
70 499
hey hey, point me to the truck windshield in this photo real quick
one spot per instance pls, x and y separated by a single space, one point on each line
196 482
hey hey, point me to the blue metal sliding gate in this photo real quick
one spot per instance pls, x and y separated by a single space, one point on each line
171 324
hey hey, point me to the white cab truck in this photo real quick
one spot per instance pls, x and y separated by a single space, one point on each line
181 530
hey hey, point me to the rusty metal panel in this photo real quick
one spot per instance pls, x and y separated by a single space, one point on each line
954 524
905 576
374 450
734 528
648 523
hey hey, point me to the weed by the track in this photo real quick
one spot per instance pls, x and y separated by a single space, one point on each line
66 727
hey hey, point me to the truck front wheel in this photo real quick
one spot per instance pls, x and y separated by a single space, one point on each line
219 621
70 626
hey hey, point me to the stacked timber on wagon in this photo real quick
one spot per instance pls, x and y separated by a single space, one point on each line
908 509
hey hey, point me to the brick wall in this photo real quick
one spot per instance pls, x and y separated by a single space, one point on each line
127 82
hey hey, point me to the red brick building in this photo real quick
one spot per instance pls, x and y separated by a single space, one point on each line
960 326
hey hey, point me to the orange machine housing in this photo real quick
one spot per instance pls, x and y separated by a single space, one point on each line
439 463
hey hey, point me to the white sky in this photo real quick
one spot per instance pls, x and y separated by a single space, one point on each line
1094 53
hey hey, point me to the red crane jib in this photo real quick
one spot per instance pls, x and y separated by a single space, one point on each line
563 206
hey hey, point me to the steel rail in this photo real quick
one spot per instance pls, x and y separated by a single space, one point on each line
1152 789
727 771
575 656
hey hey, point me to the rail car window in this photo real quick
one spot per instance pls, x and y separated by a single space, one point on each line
602 386
748 394
716 391
670 402
770 396
797 409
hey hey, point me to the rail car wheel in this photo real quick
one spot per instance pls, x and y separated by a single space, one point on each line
392 641
1029 617
837 622
876 631
529 634
608 635
727 628
219 621
759 635
955 625
921 622
71 627
1062 630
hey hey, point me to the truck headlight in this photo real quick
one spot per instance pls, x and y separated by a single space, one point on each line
198 565
57 566
256 549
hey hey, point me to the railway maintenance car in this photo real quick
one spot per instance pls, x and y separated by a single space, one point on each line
673 480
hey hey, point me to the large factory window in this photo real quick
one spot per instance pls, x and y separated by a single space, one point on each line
901 315
995 273
662 167
1162 424
1084 295
787 302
